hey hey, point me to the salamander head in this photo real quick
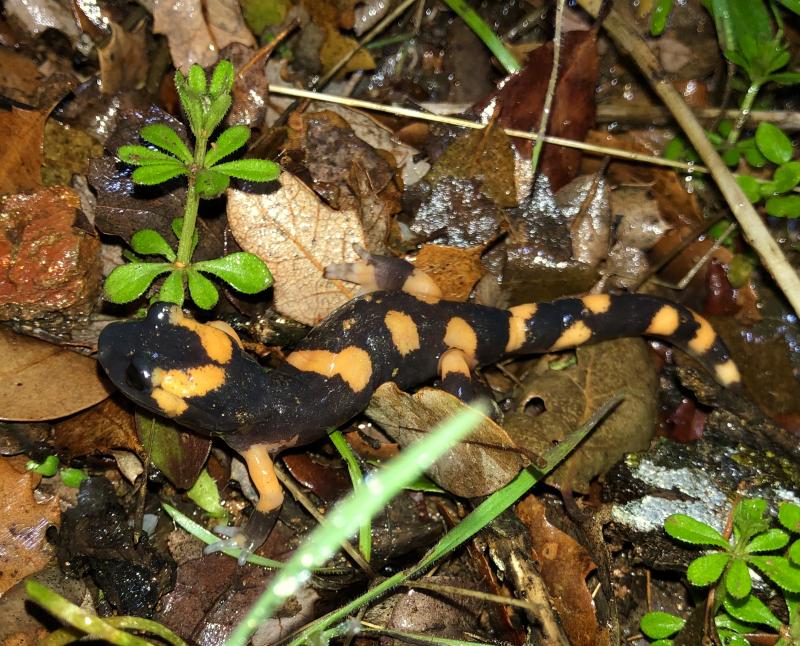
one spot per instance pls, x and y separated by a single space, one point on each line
177 367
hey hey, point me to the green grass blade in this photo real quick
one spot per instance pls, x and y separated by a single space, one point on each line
350 514
481 516
357 478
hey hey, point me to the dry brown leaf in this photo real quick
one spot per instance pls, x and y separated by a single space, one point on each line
455 270
23 522
298 235
336 46
189 37
564 565
226 23
97 430
40 381
123 61
19 77
478 466
22 134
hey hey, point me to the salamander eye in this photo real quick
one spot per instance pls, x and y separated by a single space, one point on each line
137 376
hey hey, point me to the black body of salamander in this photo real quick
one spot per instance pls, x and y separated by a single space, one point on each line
199 375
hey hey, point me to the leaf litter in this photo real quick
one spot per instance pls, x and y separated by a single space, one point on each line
463 206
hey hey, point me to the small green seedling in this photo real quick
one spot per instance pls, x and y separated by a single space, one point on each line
47 467
167 157
728 568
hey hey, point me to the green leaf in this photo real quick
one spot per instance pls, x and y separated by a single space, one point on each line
724 128
141 156
706 569
789 513
737 579
128 282
769 541
753 157
658 625
780 570
731 157
786 176
72 477
211 184
243 271
751 610
750 186
202 290
190 102
148 242
197 79
221 79
659 16
791 5
165 137
172 288
158 173
47 468
785 206
785 78
724 620
794 552
205 494
687 529
252 170
772 143
748 519
228 142
216 112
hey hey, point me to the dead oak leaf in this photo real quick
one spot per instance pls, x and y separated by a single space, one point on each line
22 134
23 522
477 466
123 60
298 235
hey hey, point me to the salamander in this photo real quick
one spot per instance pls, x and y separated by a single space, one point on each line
399 329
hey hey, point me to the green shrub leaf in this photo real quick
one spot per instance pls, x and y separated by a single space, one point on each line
202 290
769 541
221 79
142 156
780 570
748 518
228 142
731 157
794 552
658 625
172 288
785 206
216 112
658 18
158 173
786 176
190 103
737 579
197 79
687 529
128 282
243 271
750 186
705 570
210 183
773 144
751 610
252 170
789 513
165 137
148 242
785 78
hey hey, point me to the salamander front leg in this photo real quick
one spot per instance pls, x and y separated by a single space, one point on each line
254 532
456 376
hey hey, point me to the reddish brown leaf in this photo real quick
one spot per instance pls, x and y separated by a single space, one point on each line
22 134
521 99
100 429
564 564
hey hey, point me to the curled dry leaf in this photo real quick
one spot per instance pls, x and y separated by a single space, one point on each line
33 375
100 429
123 61
570 396
564 565
584 201
23 522
455 270
298 235
22 134
478 466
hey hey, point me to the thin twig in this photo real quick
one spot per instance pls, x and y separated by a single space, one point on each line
752 226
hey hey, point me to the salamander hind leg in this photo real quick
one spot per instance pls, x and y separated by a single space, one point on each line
456 376
374 273
252 534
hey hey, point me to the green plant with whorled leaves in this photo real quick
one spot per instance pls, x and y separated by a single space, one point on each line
205 103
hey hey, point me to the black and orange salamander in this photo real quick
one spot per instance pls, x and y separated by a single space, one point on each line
398 330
